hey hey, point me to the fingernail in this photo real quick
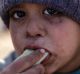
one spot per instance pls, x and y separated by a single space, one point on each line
42 51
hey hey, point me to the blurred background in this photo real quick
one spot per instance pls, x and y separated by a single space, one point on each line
6 46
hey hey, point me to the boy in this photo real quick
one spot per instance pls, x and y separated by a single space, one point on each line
52 25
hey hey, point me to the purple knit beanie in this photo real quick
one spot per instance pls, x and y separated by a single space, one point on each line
69 7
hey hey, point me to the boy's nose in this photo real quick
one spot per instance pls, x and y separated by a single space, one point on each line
35 29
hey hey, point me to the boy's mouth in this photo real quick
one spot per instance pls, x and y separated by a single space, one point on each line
47 58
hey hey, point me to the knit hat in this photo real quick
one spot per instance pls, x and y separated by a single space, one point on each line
69 7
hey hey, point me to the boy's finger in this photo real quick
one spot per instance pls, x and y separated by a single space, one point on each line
39 69
24 63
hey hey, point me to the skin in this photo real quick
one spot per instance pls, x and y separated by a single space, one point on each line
57 33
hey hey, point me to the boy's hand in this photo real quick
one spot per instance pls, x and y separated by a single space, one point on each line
25 65
39 69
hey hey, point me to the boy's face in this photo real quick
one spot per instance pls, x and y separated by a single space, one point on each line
33 25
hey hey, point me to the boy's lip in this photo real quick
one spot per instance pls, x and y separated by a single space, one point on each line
36 48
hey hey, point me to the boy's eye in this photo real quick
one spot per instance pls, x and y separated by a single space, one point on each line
18 14
50 11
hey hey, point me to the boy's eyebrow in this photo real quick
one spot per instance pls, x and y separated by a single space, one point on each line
16 7
21 6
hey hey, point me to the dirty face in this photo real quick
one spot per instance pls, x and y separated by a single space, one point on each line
38 26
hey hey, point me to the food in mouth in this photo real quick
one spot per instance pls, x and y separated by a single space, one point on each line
28 52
